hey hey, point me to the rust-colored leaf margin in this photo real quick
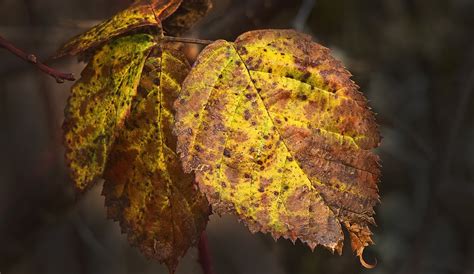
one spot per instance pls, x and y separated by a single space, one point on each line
279 135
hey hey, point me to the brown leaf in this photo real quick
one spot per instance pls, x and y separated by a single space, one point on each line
188 14
279 135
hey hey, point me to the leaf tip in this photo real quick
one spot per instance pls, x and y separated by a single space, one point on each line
364 263
312 246
171 267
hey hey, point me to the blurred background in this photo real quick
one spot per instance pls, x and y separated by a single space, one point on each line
414 60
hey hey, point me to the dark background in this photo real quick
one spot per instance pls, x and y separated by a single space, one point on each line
413 59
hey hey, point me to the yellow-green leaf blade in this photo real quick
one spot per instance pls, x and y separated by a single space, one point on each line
140 14
157 204
98 104
279 135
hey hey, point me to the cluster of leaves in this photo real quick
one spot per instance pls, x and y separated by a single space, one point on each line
269 128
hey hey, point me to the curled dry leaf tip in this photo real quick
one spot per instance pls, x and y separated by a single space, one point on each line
366 264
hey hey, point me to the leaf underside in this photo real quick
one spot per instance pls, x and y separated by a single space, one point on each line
188 13
140 14
175 16
279 135
157 204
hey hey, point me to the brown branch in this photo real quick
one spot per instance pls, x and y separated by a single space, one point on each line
184 40
60 77
204 255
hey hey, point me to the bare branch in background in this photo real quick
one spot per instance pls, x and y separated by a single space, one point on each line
60 77
185 40
303 14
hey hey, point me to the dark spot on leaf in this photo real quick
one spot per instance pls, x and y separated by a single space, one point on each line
302 97
247 114
243 50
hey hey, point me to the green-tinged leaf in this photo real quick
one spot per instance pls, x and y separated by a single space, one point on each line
279 135
99 103
157 204
140 14
188 14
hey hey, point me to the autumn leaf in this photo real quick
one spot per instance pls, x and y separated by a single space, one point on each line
99 103
279 135
157 204
188 13
140 14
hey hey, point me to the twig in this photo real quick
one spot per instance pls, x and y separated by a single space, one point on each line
205 255
184 40
60 77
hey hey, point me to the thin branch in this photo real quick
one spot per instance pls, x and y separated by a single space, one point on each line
185 40
60 77
205 255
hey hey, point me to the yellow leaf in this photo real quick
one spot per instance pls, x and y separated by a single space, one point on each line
157 204
279 135
140 14
99 103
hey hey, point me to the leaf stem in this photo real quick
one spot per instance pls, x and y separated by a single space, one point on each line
185 40
60 77
205 255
